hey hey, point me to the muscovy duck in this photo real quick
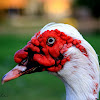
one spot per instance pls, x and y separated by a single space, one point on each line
62 51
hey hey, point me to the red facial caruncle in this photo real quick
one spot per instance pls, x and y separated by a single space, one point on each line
46 51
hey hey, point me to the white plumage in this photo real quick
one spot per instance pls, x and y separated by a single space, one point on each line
81 73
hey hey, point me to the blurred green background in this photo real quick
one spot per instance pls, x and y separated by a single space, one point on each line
19 20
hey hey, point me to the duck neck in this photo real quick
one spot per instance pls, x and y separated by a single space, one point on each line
80 76
80 94
70 93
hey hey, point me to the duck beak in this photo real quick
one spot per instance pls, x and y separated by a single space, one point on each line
14 73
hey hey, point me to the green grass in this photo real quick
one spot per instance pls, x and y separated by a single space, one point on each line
37 86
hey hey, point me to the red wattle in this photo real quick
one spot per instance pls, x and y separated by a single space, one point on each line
43 60
19 55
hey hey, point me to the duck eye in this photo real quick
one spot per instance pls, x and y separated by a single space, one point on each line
51 40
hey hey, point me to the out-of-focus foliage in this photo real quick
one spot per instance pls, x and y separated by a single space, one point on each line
93 5
70 21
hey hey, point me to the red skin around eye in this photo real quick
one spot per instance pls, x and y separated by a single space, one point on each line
45 50
55 49
49 53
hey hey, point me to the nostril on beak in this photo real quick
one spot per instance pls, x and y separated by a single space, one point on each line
24 62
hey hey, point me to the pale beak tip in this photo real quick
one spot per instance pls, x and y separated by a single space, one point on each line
14 73
2 80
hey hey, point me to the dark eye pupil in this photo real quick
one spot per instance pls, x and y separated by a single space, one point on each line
50 40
